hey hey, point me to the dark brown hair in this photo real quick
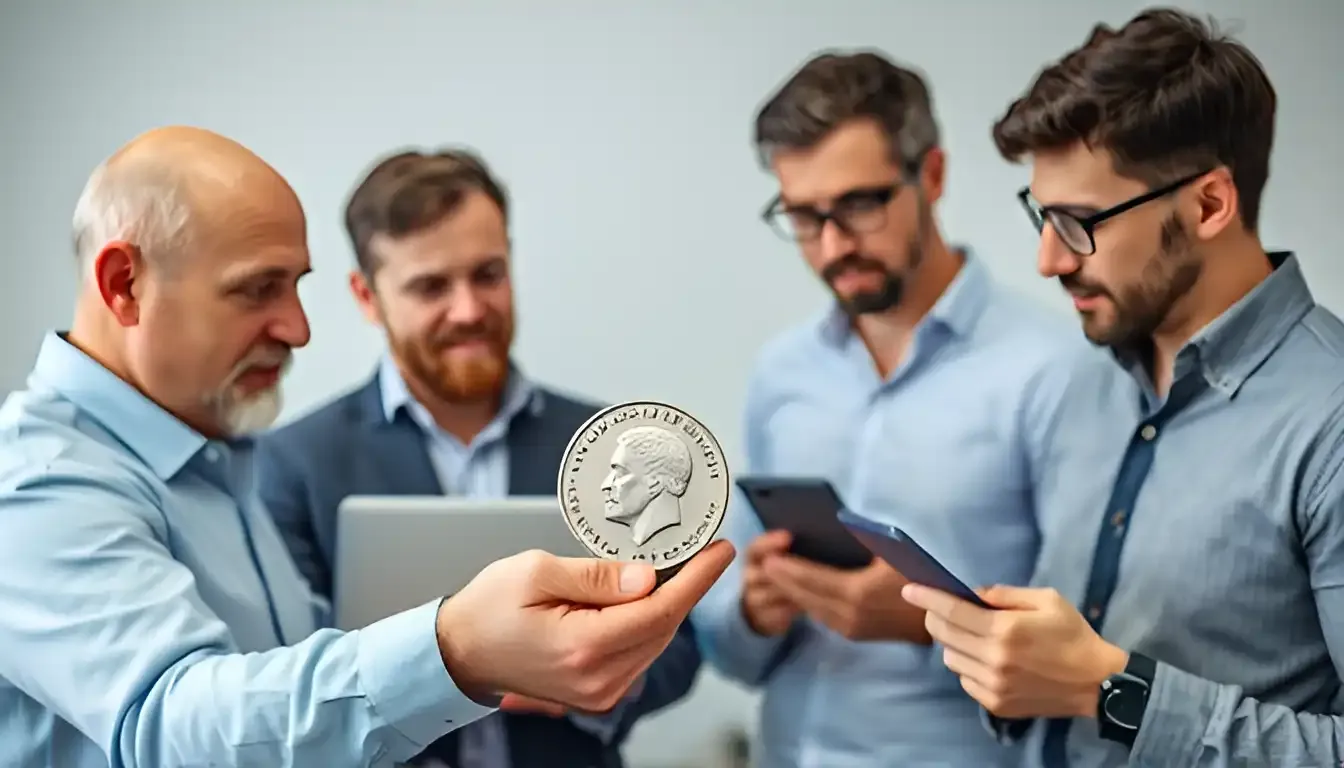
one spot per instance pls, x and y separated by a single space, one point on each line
1166 94
834 88
411 191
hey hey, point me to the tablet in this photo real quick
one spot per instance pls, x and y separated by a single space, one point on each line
397 552
806 507
905 555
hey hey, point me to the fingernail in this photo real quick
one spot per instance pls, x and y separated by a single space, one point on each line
910 591
633 578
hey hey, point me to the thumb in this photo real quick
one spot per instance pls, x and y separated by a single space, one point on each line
1003 596
591 581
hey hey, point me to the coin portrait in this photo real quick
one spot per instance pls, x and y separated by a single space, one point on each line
644 481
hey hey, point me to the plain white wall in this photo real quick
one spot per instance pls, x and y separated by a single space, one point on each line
623 132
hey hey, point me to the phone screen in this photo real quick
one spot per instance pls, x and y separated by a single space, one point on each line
904 554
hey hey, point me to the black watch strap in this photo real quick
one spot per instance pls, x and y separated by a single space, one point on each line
1123 699
1142 667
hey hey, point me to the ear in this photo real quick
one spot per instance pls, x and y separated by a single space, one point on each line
118 269
933 174
361 287
1216 204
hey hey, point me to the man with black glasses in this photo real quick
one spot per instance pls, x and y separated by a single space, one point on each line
921 395
1190 609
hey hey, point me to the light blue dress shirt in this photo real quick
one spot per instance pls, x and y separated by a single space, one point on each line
948 447
481 469
1215 516
151 616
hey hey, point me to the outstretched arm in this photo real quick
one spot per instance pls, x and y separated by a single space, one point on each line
102 626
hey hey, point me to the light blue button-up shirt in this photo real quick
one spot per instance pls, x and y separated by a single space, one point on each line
480 469
151 616
948 447
1217 515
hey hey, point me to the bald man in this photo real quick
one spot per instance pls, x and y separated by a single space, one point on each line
149 613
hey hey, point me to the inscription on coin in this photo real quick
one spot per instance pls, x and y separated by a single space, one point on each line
644 481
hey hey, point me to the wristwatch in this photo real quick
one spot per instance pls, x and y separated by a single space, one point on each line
1124 698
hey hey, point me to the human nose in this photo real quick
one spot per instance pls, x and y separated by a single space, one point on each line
1053 257
465 306
291 325
833 241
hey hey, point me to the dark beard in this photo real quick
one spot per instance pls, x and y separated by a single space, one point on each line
892 290
1141 309
876 302
885 297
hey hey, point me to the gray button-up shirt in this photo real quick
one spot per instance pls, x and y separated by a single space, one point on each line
1225 516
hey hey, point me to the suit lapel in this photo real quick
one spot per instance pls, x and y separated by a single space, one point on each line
532 452
398 460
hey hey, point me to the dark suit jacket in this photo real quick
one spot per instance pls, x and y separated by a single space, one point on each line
346 448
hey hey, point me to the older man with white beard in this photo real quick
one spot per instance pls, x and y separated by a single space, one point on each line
149 612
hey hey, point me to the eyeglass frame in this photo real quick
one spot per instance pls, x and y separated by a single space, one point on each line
1039 214
882 194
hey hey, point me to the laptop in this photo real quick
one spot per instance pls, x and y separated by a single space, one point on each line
397 552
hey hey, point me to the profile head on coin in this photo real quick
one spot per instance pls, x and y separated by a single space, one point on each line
644 481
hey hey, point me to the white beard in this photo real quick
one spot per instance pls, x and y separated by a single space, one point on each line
238 413
254 414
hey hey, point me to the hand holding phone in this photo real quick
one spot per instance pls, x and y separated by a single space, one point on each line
806 508
767 610
901 552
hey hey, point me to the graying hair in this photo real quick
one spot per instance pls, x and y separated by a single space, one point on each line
146 207
834 88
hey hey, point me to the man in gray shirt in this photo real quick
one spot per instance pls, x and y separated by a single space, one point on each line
1192 519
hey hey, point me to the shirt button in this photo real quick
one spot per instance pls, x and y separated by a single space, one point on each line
1094 612
1118 519
1148 432
211 453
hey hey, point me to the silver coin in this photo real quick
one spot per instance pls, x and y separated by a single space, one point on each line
644 481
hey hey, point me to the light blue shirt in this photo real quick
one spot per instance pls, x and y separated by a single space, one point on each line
151 616
948 447
1215 517
481 469
476 469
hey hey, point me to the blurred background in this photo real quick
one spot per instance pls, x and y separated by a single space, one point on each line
623 132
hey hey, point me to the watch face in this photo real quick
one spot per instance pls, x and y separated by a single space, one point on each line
1124 704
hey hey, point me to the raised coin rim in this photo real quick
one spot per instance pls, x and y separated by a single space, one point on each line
564 462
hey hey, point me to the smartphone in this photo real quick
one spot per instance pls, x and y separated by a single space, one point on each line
905 555
807 508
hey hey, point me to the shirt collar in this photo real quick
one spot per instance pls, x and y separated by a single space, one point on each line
1235 344
957 309
158 438
1231 347
519 393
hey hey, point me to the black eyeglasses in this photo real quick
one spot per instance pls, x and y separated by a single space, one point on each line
856 212
1078 232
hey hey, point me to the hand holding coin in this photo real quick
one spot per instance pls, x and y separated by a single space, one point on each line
644 487
576 632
